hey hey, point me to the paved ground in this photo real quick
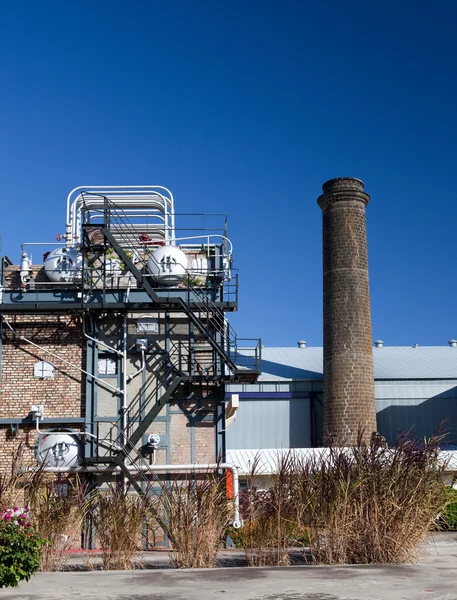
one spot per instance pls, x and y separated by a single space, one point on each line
434 578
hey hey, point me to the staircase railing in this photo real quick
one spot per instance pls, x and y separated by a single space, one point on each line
214 326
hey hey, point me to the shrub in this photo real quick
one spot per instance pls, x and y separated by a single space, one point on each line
448 516
19 547
194 515
119 517
57 512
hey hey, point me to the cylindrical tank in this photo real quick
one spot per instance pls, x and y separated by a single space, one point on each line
168 265
58 449
64 264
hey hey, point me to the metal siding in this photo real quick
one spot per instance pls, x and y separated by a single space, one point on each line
300 423
420 408
262 423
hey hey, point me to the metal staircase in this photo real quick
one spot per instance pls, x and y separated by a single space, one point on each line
121 444
214 326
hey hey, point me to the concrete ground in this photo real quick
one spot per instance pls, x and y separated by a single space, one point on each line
433 578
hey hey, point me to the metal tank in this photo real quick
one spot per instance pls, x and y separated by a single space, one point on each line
58 449
168 265
64 264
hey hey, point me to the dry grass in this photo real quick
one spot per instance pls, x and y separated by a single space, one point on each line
12 482
119 517
366 504
268 528
56 507
195 516
57 510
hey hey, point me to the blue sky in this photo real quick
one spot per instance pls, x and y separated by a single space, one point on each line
247 108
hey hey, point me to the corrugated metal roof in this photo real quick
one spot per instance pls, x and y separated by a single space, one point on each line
266 461
390 362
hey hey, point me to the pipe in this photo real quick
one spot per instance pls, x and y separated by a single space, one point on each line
149 195
211 235
86 335
237 521
75 433
140 370
124 379
118 187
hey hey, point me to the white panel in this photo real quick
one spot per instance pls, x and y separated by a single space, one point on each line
265 423
43 370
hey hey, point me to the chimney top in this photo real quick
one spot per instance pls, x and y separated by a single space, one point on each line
379 343
343 183
301 344
342 189
453 343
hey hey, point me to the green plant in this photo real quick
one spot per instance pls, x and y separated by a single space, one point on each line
20 547
195 281
448 517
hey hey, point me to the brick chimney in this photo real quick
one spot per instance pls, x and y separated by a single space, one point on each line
349 400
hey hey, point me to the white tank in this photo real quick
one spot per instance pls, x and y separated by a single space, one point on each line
64 264
168 265
58 450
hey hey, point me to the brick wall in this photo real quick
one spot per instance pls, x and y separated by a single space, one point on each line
62 396
349 401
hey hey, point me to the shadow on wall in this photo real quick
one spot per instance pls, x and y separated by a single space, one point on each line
423 417
288 372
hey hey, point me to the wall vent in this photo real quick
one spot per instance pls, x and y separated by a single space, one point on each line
147 325
43 370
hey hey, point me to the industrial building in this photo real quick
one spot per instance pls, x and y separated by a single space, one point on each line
116 349
415 389
306 395
118 360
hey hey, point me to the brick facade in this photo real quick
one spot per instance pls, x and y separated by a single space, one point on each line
191 437
62 396
349 401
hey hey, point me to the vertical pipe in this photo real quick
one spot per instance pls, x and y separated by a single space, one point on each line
124 380
90 410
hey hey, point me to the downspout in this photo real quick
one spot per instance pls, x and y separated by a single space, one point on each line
124 382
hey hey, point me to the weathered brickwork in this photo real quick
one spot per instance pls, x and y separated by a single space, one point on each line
192 432
11 440
63 395
349 401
